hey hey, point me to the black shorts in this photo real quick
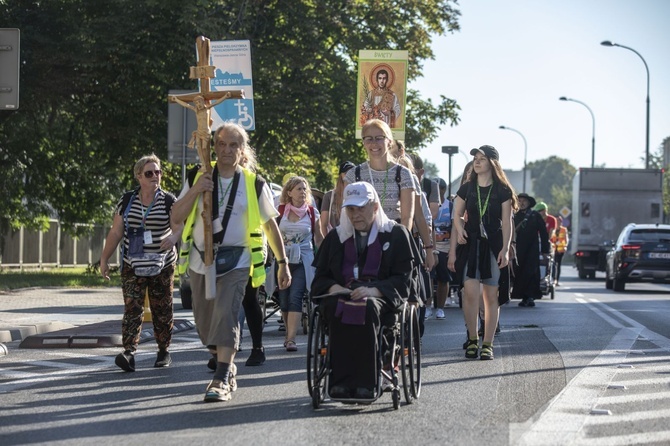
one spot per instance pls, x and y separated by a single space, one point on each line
441 270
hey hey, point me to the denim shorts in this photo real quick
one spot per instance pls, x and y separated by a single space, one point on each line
290 299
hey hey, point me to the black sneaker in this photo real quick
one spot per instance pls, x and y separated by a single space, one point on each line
126 361
523 303
163 359
530 303
257 357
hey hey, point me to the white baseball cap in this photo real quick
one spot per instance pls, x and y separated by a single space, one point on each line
358 194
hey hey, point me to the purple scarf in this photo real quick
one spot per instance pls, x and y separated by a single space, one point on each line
373 260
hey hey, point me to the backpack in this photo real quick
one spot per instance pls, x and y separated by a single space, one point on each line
310 212
443 217
127 201
127 198
398 169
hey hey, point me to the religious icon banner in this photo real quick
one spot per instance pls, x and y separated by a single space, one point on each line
382 89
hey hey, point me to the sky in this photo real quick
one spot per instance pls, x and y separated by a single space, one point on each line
513 59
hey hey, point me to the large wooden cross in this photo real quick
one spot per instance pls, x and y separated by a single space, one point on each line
203 101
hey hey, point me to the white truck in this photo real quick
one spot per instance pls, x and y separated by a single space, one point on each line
604 201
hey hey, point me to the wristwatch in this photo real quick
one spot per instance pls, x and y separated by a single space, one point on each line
282 261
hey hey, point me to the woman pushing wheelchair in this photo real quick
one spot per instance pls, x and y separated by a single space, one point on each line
364 265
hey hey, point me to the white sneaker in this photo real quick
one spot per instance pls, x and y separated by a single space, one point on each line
439 314
429 312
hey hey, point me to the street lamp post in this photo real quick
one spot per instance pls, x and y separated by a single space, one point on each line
608 43
451 151
525 152
593 138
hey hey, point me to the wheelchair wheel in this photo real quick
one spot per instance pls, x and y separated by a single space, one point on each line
405 343
305 314
396 393
411 354
414 353
316 400
316 359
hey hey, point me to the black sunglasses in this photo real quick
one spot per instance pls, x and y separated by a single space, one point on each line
151 173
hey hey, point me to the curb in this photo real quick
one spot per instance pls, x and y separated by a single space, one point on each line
101 334
23 331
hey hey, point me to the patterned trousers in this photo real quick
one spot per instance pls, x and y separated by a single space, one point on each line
160 301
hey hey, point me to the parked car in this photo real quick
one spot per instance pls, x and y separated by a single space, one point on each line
641 254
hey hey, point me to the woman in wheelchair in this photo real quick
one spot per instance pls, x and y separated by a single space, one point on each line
364 265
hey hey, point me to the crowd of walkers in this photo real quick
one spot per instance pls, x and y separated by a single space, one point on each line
485 243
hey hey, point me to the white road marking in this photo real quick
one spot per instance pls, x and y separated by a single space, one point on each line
564 419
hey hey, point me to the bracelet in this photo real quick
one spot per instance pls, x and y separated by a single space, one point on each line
282 261
429 247
513 242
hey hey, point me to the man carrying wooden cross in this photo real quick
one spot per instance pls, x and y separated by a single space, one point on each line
252 214
224 204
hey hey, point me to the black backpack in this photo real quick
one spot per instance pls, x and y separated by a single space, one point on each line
398 169
128 196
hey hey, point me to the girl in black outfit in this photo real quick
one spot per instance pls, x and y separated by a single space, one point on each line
482 255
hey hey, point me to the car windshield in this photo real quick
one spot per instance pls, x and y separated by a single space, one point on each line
649 235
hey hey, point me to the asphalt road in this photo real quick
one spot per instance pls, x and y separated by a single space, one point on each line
590 367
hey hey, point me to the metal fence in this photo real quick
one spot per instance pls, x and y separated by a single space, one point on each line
26 248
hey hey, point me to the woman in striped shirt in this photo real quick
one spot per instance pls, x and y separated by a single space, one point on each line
142 224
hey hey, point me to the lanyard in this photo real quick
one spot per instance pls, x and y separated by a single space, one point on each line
145 214
223 197
486 203
383 197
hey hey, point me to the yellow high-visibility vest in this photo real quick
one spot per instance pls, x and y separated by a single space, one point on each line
560 239
255 236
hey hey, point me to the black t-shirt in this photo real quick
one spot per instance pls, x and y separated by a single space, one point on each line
497 194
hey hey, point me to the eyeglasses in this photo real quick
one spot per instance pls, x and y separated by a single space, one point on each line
369 139
151 173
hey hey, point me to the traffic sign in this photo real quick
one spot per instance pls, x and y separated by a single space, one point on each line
565 212
9 68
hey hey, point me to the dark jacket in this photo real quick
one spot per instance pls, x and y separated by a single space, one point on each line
530 228
396 265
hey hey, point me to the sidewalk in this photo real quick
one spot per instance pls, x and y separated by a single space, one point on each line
66 318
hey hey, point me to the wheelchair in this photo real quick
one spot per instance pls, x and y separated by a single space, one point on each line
401 332
270 307
547 276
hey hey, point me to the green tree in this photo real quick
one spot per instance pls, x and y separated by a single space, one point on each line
656 161
552 182
431 170
95 77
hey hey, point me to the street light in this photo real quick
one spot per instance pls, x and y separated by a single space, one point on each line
449 150
525 152
608 43
593 138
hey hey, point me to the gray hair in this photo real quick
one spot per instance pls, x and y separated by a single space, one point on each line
248 153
